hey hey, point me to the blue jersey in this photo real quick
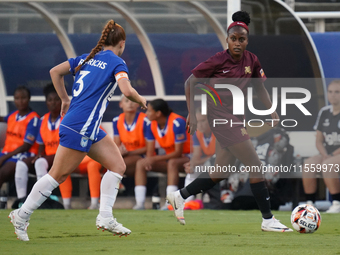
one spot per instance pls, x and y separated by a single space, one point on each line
93 86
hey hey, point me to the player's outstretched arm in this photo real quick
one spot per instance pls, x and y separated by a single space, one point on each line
131 93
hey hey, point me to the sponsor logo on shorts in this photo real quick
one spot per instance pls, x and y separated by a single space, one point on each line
84 141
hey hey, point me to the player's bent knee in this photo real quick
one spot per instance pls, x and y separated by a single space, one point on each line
139 164
119 168
172 163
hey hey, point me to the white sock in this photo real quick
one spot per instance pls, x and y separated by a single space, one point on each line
67 203
94 200
171 188
21 179
41 190
109 187
189 178
41 167
140 194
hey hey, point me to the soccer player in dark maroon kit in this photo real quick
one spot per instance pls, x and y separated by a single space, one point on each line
238 65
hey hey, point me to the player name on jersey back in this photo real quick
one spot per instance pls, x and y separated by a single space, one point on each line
95 63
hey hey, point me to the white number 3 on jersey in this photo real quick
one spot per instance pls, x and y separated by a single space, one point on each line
81 83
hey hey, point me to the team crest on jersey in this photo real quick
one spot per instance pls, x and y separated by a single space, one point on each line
84 141
326 123
244 132
247 70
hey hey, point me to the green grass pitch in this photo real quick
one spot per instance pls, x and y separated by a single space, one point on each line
157 232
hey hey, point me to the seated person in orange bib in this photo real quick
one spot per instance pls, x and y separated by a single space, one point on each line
48 140
21 133
129 134
204 144
168 129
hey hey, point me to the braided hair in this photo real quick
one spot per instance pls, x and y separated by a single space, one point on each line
112 34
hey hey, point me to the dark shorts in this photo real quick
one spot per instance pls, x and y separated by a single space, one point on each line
227 134
230 136
73 140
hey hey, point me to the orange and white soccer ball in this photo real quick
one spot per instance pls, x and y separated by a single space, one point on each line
305 218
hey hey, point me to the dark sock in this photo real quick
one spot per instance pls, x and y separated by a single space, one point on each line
336 196
201 184
262 198
311 197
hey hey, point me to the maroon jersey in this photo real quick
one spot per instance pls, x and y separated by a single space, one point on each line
222 68
238 73
222 65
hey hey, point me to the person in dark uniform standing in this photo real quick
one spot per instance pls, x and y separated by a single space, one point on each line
233 142
327 128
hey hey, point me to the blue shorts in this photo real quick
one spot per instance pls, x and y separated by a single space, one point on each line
73 140
19 156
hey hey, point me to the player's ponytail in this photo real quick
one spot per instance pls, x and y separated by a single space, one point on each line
112 34
241 19
242 16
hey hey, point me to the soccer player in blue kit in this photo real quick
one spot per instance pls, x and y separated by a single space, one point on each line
96 77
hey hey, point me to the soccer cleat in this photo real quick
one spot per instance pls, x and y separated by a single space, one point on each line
335 207
274 225
310 202
110 224
165 207
177 202
138 207
20 225
93 207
